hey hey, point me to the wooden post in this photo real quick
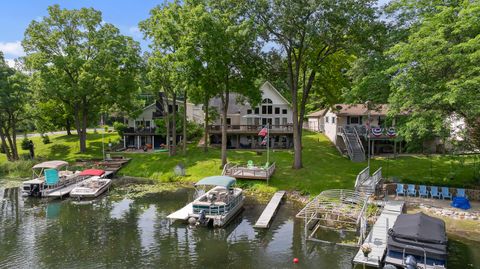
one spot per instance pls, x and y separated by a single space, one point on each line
153 142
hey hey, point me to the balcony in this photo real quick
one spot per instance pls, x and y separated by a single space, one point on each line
140 131
251 129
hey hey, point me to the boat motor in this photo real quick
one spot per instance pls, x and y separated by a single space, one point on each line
201 218
410 262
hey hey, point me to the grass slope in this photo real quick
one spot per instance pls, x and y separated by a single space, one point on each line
324 168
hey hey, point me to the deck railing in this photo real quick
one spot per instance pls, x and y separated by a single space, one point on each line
252 128
243 171
140 130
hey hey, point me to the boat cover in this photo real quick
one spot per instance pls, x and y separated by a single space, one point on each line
51 165
224 181
419 230
92 172
460 202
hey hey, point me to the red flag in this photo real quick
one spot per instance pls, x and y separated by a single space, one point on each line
263 132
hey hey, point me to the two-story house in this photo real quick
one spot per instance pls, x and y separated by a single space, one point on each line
142 130
244 121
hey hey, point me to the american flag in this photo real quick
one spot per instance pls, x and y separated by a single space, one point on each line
264 141
263 132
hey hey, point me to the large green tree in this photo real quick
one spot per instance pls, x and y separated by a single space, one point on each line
14 95
309 33
83 62
437 69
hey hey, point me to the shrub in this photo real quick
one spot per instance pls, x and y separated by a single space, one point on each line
25 143
45 139
194 131
119 127
106 129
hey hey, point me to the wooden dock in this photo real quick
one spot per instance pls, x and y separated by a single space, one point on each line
377 238
269 211
182 214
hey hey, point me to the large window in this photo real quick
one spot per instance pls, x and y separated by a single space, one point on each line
284 121
257 110
284 111
267 107
249 111
277 121
277 110
354 120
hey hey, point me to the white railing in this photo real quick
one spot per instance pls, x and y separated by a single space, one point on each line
377 176
362 176
359 141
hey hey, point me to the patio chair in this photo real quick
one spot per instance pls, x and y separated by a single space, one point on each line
267 164
51 177
400 189
411 191
446 193
434 192
461 193
250 164
422 191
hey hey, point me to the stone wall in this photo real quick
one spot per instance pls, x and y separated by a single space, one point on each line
473 195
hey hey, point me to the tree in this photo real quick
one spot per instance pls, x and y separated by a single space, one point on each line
13 99
84 63
437 69
309 32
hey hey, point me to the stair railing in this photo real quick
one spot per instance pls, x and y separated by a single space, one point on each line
359 141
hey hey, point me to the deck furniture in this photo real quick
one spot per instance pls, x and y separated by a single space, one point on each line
51 177
434 192
446 193
461 193
422 191
411 191
250 164
400 189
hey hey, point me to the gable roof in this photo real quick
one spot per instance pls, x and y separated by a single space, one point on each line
275 91
359 109
317 114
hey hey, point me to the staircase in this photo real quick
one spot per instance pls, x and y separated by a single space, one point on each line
368 184
355 149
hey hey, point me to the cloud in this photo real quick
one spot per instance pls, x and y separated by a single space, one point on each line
13 49
10 62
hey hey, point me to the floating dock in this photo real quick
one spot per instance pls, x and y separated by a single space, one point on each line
61 192
377 238
182 214
269 211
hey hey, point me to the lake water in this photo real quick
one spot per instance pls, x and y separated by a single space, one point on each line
118 232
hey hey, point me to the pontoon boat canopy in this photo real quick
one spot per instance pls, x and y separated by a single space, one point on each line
224 181
50 165
92 172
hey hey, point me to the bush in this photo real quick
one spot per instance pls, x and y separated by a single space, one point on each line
120 128
45 139
194 131
106 129
25 143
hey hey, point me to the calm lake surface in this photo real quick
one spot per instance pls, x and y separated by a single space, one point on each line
131 233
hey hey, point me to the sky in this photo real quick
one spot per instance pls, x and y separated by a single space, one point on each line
15 15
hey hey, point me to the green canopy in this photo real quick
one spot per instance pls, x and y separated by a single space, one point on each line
224 181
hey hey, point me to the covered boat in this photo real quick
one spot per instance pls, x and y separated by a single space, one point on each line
48 177
93 186
417 240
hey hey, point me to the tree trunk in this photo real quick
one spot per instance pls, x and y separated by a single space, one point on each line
14 140
78 124
68 126
166 118
224 126
174 125
5 147
297 138
83 127
14 156
206 118
184 146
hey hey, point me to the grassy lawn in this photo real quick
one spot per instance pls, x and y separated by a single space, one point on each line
323 168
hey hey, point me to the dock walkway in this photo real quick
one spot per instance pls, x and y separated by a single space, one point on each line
182 214
377 238
61 192
269 211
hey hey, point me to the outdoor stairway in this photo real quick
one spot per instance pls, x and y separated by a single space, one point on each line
357 153
367 184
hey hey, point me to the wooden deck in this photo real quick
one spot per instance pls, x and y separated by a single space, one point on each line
244 172
182 214
61 192
269 211
377 238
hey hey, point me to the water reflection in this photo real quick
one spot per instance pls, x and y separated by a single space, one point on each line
135 233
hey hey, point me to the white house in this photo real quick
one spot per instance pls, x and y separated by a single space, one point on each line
244 121
316 121
142 131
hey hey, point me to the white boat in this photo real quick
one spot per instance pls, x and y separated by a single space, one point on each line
91 187
49 177
217 206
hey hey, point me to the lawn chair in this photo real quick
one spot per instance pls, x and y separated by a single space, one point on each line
267 164
400 189
51 177
422 191
250 164
411 191
434 192
461 193
446 193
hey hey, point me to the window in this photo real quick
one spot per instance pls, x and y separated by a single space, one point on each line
277 110
284 121
284 111
229 121
147 123
257 110
264 109
249 121
354 120
326 119
333 119
269 110
277 121
267 101
249 111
